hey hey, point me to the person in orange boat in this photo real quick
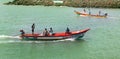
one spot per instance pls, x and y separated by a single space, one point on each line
89 13
67 31
84 11
106 14
33 27
22 33
99 12
51 31
45 32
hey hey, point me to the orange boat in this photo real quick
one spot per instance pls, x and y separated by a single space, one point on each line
85 14
55 36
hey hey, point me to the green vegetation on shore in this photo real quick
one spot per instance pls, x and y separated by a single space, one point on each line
31 2
70 3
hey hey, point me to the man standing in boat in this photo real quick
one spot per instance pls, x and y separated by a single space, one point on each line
99 12
33 27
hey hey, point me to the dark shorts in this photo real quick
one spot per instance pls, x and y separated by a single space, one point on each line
32 30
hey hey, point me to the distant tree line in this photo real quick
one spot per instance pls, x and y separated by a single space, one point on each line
93 3
71 3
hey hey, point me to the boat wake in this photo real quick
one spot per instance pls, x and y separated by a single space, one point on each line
22 41
9 37
19 41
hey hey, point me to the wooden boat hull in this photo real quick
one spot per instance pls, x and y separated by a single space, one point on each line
50 38
84 14
56 36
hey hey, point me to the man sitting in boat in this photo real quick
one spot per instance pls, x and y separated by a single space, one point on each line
89 13
51 31
84 11
22 33
67 31
106 14
45 32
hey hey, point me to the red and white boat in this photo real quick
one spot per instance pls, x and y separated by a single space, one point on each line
55 36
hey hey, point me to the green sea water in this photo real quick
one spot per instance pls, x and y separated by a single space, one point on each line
101 42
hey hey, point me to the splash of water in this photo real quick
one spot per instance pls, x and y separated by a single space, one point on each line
7 36
69 39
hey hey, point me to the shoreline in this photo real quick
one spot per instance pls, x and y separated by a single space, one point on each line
59 6
78 4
